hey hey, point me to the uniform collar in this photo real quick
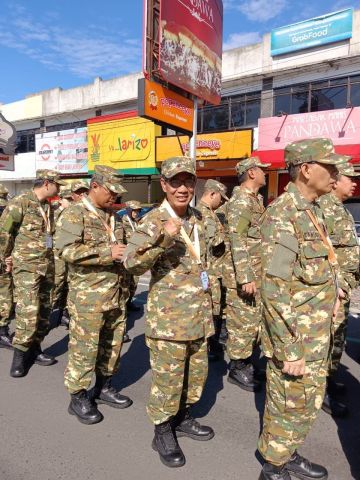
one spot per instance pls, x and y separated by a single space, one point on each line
299 200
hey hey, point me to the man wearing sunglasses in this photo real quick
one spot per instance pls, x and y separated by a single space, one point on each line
170 241
91 240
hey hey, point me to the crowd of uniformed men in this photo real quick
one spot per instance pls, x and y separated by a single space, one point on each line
281 277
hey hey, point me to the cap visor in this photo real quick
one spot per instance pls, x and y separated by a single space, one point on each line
182 170
224 196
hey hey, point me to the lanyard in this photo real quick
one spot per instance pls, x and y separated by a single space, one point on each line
194 248
326 240
46 219
110 229
131 223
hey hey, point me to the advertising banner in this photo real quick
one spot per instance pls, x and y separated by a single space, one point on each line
123 144
191 46
329 28
65 151
341 126
164 106
209 146
7 144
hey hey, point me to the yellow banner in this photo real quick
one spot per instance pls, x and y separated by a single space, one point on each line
122 144
209 146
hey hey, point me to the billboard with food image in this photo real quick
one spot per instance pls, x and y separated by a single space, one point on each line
191 46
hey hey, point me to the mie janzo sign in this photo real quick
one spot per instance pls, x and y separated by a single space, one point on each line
329 28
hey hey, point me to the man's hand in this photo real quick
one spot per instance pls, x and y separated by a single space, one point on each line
341 296
295 369
117 251
9 264
172 226
249 288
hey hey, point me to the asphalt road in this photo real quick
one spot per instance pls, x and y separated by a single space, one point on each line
39 440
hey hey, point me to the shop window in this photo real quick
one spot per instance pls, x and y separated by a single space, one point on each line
328 98
216 118
355 94
282 103
252 112
245 113
300 102
237 114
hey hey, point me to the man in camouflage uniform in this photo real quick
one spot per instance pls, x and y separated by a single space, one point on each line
68 194
130 221
214 195
91 241
6 287
170 242
341 228
243 303
300 295
26 228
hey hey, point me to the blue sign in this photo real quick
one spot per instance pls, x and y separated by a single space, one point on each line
329 28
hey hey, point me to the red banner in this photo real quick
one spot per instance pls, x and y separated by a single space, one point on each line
191 46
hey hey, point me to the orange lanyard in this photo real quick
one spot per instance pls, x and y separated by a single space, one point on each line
326 240
46 219
110 229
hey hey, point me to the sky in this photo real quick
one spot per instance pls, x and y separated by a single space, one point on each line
46 44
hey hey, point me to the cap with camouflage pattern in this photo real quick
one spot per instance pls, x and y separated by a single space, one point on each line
215 186
78 185
251 162
174 165
133 204
65 192
109 178
50 175
347 169
319 150
3 191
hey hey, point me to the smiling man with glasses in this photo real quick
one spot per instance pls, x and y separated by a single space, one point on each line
170 241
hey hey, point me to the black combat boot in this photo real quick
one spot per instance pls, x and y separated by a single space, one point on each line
20 364
300 467
241 373
41 358
166 444
187 426
272 472
105 393
84 409
126 338
335 388
333 407
5 338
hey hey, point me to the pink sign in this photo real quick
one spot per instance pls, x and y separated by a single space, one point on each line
341 126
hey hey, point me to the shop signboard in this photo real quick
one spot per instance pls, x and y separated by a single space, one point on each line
65 151
164 106
322 30
191 46
125 144
341 126
212 146
7 144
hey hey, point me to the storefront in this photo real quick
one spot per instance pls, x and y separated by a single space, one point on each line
342 126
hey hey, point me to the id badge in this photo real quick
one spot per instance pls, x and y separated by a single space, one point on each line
49 241
205 282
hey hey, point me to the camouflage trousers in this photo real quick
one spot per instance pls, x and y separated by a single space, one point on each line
179 372
291 407
216 295
339 329
94 346
61 287
6 299
133 286
33 306
243 320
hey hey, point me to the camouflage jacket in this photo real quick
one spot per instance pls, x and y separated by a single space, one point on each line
245 210
215 239
82 241
177 307
228 269
23 233
298 283
130 225
341 228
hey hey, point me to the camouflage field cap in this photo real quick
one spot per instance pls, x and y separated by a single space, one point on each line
3 191
65 192
133 204
174 165
110 178
320 150
347 169
50 175
215 186
78 185
251 162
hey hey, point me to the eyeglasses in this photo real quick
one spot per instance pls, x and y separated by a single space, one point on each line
176 182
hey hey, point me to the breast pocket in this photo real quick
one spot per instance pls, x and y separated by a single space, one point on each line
313 265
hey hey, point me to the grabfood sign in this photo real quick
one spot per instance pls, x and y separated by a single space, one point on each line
191 46
329 28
